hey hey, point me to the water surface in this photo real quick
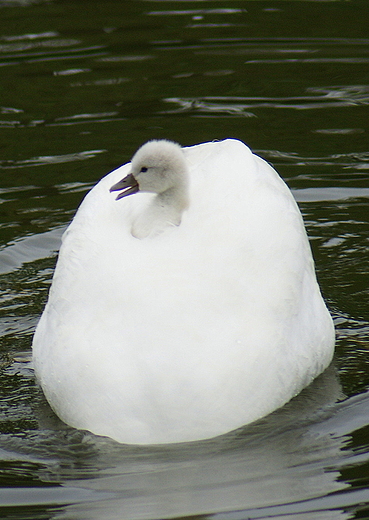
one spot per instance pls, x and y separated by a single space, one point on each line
82 85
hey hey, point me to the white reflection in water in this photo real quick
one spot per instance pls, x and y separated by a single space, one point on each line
291 457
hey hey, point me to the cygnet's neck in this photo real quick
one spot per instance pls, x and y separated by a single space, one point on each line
164 210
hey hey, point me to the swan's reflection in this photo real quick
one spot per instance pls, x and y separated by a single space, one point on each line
290 456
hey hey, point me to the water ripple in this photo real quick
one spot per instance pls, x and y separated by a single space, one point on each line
353 60
74 119
29 249
32 36
326 194
355 94
25 47
50 159
241 45
196 12
352 160
205 106
321 97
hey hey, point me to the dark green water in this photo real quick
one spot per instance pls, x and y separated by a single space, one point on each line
82 85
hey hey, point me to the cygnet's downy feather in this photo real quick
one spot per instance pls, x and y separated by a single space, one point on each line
187 308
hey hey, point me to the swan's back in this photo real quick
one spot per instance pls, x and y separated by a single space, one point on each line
196 331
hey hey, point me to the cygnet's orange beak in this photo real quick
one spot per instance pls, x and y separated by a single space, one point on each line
128 184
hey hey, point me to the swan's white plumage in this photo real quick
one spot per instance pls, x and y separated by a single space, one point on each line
192 332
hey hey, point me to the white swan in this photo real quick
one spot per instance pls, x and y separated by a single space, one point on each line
187 310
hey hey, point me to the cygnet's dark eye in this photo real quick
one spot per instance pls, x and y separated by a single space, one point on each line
143 169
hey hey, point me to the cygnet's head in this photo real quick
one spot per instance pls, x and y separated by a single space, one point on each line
156 167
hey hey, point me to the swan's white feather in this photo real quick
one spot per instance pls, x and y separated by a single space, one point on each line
192 333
